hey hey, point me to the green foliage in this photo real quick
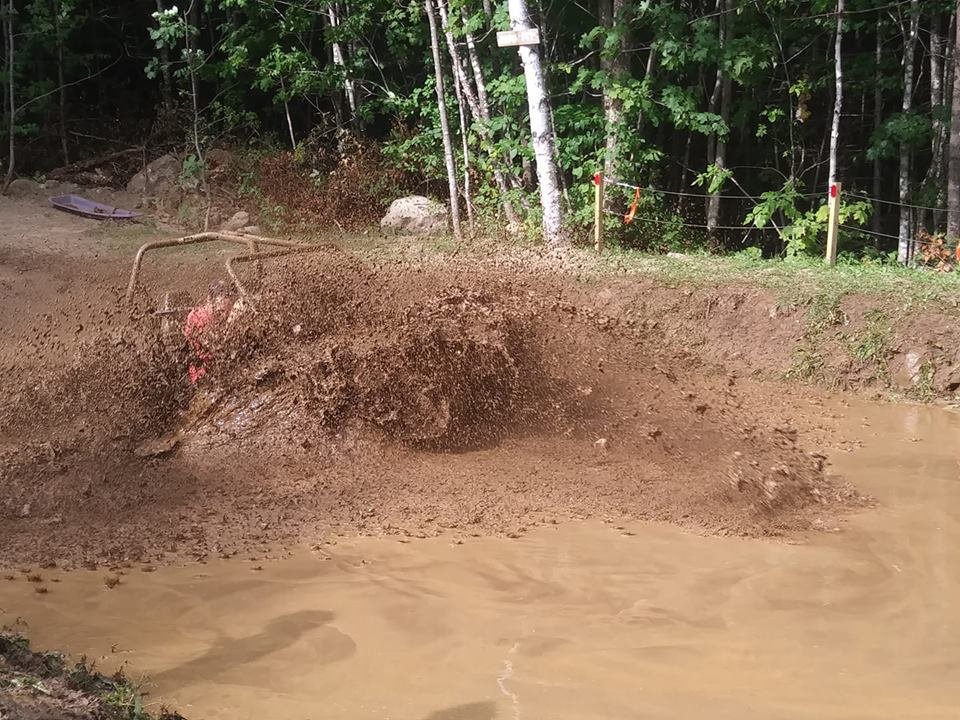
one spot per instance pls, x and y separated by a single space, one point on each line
910 129
803 231
713 178
191 173
253 61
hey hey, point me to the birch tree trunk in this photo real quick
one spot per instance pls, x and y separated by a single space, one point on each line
499 176
464 128
541 129
909 50
953 172
477 101
457 62
444 123
340 61
837 95
286 111
725 87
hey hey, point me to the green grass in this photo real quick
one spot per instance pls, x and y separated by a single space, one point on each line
793 280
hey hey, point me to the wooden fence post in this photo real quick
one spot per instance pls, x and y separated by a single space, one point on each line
598 212
833 223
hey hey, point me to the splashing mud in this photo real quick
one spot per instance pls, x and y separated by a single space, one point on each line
343 396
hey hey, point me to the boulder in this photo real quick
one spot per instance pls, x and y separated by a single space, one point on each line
415 215
156 178
252 230
237 222
906 371
24 188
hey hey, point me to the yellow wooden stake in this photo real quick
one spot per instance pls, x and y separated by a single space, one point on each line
598 212
833 223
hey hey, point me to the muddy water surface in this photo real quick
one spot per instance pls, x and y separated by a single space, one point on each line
576 621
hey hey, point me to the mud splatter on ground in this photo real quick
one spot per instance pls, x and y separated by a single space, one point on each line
351 397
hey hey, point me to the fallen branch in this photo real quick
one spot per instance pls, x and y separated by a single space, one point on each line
92 162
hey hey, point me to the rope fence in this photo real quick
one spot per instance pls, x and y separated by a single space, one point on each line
833 225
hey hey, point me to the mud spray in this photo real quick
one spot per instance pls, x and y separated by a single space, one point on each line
348 397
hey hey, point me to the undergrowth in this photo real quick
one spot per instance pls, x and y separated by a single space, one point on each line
873 346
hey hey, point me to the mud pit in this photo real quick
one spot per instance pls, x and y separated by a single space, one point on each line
582 621
385 399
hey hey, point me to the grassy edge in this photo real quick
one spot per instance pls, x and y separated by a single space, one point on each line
26 670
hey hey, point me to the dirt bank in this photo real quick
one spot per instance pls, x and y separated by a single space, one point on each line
836 339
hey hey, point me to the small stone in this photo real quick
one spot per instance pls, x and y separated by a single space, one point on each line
24 511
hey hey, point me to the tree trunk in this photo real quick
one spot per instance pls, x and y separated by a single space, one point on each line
457 63
953 180
286 111
934 177
877 122
725 87
488 12
614 67
464 127
909 50
444 123
62 89
166 74
837 95
340 61
11 97
483 100
478 103
194 98
541 129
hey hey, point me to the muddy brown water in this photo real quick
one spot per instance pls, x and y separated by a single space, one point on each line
575 621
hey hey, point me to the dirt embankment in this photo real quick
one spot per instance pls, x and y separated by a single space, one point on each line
388 399
835 340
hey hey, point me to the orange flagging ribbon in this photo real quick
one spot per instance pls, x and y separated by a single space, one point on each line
628 218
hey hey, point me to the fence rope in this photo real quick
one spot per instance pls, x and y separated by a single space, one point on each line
653 190
896 204
662 221
870 232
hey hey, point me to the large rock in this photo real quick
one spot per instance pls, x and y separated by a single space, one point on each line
157 178
24 188
238 221
415 215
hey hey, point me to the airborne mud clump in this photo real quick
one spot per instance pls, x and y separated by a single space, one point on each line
342 397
